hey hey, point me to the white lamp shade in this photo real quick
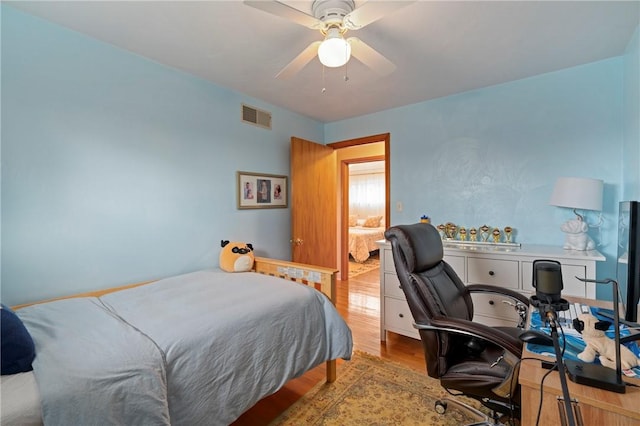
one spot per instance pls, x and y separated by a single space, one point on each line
577 193
334 51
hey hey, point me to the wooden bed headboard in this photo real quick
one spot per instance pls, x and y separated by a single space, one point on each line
321 278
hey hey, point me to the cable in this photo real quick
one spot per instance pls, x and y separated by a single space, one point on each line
542 392
598 226
541 383
564 340
511 389
511 420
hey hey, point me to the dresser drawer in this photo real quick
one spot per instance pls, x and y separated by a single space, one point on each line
397 317
392 286
492 305
502 273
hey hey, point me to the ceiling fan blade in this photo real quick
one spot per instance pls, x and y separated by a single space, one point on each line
370 57
284 11
310 52
371 11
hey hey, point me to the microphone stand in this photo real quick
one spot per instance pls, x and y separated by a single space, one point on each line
552 319
616 321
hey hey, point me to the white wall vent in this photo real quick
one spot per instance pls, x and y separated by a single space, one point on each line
256 116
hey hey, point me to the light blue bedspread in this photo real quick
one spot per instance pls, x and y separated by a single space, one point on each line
93 369
229 339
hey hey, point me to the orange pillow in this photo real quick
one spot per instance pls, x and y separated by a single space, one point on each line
353 220
236 256
372 222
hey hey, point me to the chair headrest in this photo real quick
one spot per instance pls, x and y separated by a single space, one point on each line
420 243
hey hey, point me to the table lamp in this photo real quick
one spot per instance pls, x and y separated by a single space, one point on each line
577 194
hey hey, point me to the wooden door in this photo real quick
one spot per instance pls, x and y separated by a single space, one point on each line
313 203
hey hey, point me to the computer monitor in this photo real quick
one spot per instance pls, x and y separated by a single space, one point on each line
628 272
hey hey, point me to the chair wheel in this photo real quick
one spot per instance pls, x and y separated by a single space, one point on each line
441 407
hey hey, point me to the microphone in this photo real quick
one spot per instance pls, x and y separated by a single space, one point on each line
547 280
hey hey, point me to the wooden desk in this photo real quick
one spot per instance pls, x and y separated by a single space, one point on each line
597 407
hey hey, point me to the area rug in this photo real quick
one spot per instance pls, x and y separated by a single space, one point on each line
373 391
356 268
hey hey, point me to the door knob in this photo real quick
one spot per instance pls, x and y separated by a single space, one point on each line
296 241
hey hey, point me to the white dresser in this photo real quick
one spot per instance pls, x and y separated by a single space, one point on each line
510 267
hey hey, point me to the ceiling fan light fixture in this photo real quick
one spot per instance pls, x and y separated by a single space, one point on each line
334 51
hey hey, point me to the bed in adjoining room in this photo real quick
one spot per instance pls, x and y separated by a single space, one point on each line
199 348
363 234
367 195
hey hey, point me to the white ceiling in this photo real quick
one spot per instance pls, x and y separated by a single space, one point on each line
439 47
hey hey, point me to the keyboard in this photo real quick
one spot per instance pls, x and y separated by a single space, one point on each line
565 318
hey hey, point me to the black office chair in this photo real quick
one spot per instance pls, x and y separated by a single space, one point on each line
467 357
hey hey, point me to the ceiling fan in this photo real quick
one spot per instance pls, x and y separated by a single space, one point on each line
333 18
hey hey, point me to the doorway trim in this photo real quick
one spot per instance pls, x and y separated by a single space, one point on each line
344 189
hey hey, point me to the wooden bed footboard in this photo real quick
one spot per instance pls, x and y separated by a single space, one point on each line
94 293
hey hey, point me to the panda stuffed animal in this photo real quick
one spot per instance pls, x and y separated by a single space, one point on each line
236 256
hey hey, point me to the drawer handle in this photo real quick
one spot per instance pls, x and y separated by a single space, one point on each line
401 315
491 302
492 273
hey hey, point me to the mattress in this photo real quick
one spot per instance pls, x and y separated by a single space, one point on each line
20 400
200 348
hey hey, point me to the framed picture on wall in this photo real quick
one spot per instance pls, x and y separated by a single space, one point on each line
261 191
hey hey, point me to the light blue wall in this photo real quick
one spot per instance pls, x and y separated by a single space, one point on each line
116 169
631 149
492 155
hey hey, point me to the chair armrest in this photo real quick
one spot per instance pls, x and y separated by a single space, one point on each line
520 302
485 288
474 329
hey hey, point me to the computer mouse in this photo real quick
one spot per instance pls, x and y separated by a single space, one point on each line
536 337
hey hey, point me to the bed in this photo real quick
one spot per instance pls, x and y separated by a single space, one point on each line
199 348
362 241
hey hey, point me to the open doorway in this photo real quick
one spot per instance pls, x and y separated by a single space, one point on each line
366 220
355 151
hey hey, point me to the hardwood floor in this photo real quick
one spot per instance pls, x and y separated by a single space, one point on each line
359 304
